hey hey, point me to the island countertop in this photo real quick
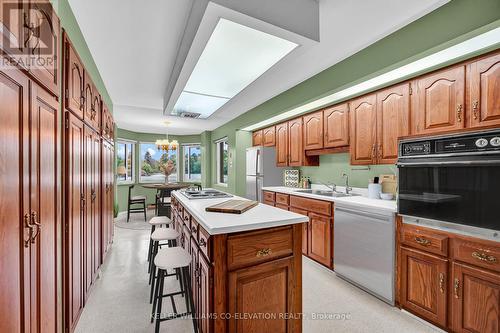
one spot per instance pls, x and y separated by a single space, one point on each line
259 217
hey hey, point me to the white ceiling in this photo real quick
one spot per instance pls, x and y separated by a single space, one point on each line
134 44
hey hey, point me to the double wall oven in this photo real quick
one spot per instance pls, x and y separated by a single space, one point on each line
453 179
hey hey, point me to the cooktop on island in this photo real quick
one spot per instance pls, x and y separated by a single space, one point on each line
205 194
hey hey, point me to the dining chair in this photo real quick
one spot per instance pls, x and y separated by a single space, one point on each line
135 201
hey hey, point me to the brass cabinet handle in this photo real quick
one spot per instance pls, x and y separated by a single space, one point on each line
484 257
202 242
422 241
456 287
373 151
263 252
459 113
193 230
441 283
475 109
34 220
380 151
28 225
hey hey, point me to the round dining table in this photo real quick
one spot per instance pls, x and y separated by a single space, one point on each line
168 186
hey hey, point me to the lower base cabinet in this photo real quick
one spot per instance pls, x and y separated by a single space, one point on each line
475 305
320 238
423 285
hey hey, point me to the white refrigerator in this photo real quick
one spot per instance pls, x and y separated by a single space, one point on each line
261 170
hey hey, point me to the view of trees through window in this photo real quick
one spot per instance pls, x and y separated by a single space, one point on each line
192 163
153 161
222 161
125 161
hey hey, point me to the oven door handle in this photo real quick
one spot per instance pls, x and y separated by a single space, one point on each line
448 163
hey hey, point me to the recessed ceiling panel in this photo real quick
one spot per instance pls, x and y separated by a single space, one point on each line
205 105
235 55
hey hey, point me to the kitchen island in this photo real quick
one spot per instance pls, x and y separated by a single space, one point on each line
246 269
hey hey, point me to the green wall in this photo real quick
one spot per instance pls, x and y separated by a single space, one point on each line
122 190
448 25
70 25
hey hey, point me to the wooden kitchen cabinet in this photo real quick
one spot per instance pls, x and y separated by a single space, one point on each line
269 136
363 120
13 29
282 144
73 81
92 104
205 297
320 238
336 126
483 95
424 284
107 123
393 121
475 301
313 130
305 230
438 101
107 190
296 152
257 138
271 285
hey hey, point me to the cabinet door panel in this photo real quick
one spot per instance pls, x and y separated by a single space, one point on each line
295 142
282 144
363 118
266 288
484 92
424 285
45 202
13 34
205 300
74 73
438 101
14 261
305 229
336 126
393 121
476 299
313 130
45 48
269 137
257 138
320 239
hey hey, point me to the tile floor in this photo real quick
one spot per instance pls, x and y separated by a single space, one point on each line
119 300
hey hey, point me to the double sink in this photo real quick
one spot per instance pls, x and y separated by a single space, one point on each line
328 193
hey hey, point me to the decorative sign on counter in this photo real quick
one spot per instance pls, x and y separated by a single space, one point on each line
291 178
232 206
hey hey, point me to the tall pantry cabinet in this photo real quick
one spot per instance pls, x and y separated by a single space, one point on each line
30 186
89 183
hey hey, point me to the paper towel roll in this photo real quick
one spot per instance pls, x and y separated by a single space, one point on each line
374 191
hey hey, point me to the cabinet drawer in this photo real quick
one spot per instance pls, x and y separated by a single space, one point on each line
425 239
285 207
194 228
485 255
312 205
282 199
204 242
268 196
270 203
186 217
259 246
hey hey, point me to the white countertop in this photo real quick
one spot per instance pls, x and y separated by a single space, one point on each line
259 217
353 202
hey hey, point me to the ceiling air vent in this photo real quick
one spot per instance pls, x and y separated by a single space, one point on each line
186 114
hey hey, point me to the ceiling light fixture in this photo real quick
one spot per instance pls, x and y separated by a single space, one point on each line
165 144
460 50
234 56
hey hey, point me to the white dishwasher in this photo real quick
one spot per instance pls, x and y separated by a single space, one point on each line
364 249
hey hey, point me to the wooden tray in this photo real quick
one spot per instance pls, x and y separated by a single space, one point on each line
232 206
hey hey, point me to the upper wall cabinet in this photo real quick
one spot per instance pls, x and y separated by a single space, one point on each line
92 104
257 138
108 125
393 121
73 81
336 126
313 130
483 103
296 152
363 114
438 103
282 144
269 136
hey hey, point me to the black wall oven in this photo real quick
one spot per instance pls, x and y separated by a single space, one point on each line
452 178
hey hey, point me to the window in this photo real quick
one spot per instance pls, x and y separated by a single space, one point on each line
153 162
222 161
192 163
125 162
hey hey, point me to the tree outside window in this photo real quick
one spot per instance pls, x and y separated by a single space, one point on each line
192 163
125 162
153 161
222 161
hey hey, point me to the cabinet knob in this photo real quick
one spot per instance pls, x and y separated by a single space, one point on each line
475 109
459 113
263 252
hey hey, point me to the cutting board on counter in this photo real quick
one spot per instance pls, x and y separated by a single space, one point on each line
232 206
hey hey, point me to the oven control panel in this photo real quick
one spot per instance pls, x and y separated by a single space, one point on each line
473 143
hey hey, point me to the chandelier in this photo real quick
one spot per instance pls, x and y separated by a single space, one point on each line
165 144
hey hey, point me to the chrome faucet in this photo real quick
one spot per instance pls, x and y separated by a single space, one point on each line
331 186
347 187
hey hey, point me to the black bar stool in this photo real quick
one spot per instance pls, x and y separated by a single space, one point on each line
179 259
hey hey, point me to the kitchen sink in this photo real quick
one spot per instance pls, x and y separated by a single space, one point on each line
327 193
